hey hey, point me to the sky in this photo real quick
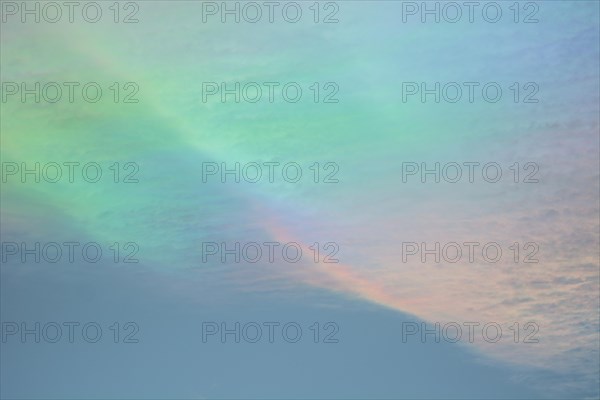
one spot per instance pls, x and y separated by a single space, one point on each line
368 130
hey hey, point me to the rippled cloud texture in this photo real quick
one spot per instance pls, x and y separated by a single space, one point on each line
370 134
